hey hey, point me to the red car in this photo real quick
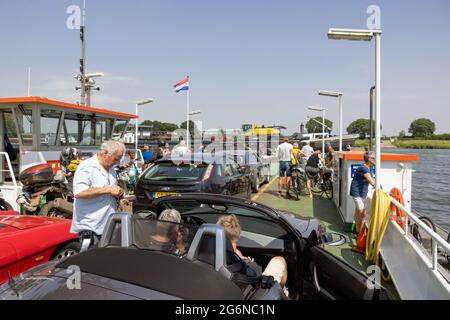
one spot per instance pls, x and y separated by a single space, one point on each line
27 241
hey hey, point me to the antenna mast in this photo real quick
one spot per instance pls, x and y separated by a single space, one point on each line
83 58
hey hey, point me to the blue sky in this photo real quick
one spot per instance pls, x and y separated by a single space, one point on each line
249 61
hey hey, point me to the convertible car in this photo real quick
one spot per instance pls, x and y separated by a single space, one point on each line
28 241
196 260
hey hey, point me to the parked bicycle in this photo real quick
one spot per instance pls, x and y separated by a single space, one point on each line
298 181
322 184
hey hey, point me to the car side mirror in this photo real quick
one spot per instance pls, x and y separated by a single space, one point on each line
333 239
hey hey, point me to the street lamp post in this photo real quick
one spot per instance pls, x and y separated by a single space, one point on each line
139 103
335 95
367 35
323 124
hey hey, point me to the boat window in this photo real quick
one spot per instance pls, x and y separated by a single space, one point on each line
100 132
118 129
86 133
77 130
24 118
10 128
49 126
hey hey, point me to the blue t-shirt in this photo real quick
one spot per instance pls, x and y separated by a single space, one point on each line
147 155
360 185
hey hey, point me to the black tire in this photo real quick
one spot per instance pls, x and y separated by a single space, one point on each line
5 206
295 187
328 189
66 251
249 192
255 185
50 210
414 228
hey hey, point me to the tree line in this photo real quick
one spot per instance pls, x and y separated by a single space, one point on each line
419 128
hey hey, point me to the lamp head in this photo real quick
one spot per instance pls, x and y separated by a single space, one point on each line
333 94
144 101
352 34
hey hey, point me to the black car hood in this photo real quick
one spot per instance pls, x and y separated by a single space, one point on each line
123 273
48 282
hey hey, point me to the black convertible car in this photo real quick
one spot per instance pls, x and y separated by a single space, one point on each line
126 265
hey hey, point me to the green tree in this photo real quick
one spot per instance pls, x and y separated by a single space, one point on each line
316 126
192 126
422 128
160 126
361 127
402 134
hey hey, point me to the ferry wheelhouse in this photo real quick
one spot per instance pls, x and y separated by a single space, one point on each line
35 130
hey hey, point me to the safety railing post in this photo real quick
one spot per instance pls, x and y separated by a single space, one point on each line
435 253
406 224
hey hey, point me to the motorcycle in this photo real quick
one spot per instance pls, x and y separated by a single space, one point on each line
44 193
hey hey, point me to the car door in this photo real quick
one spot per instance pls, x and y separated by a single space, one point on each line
241 179
229 179
331 278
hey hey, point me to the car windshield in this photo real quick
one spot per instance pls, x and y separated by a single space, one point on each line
177 172
163 236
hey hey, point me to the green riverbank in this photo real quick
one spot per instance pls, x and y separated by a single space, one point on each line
408 144
422 144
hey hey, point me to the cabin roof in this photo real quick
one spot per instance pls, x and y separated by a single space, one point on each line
56 103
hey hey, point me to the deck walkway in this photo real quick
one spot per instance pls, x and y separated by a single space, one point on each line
326 211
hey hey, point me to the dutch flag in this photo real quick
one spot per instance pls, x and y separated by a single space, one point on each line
182 85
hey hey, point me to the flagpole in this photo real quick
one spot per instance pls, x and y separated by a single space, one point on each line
187 123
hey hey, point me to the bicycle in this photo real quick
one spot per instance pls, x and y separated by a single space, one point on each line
298 181
322 185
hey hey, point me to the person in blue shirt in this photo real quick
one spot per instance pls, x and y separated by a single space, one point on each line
147 154
360 187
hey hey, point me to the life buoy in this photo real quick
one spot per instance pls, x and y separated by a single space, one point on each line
397 214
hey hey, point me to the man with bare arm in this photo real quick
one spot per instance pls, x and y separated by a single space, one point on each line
96 191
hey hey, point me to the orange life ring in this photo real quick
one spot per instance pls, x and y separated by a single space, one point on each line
397 214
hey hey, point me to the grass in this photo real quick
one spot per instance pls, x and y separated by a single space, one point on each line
361 143
422 144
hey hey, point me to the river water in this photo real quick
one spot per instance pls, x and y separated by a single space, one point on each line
431 184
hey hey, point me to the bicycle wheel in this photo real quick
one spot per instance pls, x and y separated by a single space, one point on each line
328 189
294 187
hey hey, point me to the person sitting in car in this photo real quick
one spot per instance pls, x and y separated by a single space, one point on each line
277 266
168 237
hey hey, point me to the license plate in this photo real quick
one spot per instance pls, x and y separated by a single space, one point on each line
157 195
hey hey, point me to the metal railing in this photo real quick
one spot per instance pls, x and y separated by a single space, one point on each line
10 168
436 239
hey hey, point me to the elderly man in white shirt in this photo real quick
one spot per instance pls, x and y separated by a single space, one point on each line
96 191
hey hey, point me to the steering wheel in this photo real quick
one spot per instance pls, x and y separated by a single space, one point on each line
194 222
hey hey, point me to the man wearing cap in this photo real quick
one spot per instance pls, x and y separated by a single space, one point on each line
284 155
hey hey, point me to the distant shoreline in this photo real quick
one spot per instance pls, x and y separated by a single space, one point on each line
422 144
409 144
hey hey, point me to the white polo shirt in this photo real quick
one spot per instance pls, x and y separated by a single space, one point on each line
92 214
283 151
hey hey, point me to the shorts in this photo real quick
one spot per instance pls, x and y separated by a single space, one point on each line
360 203
276 268
285 167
